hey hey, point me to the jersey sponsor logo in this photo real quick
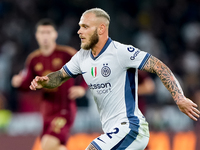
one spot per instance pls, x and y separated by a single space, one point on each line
134 55
94 71
105 71
99 86
102 88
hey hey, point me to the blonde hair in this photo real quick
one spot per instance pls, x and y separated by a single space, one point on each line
99 13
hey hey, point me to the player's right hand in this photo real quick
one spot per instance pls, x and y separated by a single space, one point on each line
189 108
38 82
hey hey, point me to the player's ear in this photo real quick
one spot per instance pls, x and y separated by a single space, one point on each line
36 35
55 34
102 29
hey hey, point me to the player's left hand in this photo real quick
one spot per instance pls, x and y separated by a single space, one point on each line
76 92
38 82
189 108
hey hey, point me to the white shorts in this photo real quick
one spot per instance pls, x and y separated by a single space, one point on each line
121 138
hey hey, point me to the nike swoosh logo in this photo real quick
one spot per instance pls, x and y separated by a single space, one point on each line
100 139
83 72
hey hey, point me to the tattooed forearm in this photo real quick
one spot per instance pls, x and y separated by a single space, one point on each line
55 79
91 147
150 64
154 65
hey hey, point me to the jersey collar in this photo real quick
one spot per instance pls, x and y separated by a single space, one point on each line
103 49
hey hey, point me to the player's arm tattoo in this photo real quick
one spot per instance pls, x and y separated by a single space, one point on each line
154 65
91 147
56 79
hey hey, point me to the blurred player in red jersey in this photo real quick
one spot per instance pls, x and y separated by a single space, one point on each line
146 86
58 106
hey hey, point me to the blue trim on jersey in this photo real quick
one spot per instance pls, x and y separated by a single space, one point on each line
96 145
126 141
144 61
103 49
130 99
117 146
69 72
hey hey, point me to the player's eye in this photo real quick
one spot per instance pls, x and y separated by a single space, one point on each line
85 26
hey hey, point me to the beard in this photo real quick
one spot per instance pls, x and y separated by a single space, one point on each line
94 39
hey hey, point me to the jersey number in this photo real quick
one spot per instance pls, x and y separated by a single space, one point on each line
116 130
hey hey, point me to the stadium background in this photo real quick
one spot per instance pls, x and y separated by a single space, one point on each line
168 29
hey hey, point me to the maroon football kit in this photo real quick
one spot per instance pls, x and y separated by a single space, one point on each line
57 109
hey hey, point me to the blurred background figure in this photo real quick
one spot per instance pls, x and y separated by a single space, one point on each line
146 87
58 106
5 114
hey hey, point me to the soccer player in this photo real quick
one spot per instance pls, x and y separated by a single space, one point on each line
105 65
58 105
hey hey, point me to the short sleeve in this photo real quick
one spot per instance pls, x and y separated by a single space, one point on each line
72 67
131 57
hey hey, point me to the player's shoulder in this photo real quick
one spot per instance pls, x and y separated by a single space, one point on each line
66 49
36 53
121 48
33 55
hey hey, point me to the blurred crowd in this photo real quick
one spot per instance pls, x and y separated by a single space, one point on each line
167 29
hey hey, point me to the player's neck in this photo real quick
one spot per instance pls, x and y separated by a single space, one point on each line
47 50
98 47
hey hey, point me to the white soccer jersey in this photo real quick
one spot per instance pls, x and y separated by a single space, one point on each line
113 83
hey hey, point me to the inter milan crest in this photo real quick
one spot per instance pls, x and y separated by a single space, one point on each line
105 71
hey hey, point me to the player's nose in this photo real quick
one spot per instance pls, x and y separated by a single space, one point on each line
79 31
